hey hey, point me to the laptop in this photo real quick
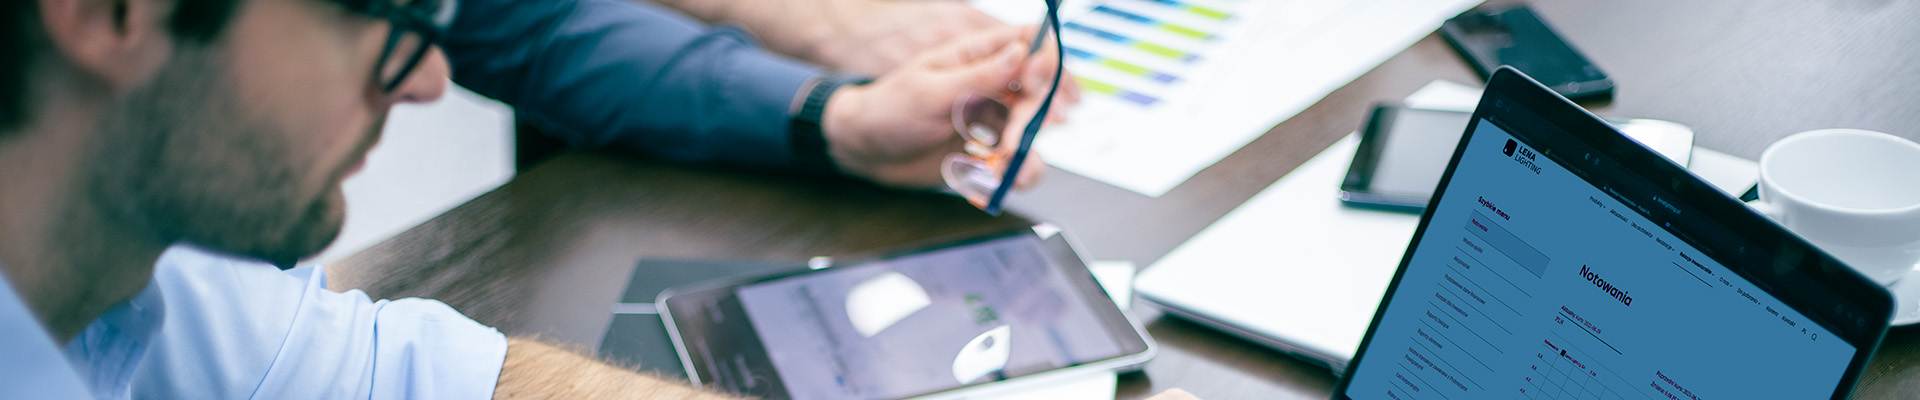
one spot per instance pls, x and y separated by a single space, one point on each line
1295 269
1559 259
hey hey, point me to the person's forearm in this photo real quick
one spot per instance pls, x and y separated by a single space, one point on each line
629 76
796 28
540 371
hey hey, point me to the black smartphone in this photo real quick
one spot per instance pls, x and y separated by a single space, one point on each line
962 319
1515 36
1402 153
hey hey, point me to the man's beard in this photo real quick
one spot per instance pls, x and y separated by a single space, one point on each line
185 158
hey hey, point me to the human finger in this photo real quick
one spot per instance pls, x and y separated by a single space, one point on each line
970 49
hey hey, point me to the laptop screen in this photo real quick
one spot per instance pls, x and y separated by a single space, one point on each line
1530 280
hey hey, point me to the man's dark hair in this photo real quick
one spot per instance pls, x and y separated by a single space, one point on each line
22 38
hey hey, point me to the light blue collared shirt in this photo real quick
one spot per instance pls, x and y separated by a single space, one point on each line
34 367
238 329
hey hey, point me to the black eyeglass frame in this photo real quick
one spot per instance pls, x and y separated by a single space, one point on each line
995 203
430 19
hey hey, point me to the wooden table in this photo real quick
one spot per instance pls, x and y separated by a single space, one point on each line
548 252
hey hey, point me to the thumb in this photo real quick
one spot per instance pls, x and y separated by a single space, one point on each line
996 74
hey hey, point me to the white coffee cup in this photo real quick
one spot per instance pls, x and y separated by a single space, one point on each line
1854 193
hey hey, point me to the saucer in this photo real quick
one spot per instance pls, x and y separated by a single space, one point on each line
1906 297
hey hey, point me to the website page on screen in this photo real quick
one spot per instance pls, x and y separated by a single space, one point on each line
1529 282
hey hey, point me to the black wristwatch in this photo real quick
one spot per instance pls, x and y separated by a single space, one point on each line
805 135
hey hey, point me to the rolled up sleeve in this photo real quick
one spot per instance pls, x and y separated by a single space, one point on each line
243 330
631 75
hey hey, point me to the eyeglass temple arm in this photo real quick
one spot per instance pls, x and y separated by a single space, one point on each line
1052 22
1040 38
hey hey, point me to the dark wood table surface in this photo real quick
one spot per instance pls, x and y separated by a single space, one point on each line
547 253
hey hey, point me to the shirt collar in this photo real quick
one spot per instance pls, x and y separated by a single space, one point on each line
109 352
29 356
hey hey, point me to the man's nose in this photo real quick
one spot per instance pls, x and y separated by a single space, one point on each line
427 82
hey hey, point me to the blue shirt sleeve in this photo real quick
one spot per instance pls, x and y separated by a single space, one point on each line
244 330
629 74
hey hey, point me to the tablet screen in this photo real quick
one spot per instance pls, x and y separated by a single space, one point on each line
905 326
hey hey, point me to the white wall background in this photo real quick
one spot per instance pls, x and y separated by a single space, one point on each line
431 158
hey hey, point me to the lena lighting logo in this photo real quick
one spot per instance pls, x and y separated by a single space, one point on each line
1522 155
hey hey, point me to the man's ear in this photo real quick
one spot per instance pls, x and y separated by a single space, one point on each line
121 43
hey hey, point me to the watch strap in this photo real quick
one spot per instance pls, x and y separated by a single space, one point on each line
807 136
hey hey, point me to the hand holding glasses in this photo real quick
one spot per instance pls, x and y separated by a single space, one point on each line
984 174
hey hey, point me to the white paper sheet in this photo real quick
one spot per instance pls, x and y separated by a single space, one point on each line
1023 12
1262 65
1117 278
1725 171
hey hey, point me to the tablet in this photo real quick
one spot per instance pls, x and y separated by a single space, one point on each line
970 317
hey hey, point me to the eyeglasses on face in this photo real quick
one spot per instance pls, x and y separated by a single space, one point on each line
416 26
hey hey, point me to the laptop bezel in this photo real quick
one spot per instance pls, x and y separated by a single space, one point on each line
1851 305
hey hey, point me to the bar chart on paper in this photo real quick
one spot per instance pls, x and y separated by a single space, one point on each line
1173 86
1136 51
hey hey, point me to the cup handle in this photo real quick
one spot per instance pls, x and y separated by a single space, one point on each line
1764 208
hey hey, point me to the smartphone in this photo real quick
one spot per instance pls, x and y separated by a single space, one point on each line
1403 151
974 317
1515 36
